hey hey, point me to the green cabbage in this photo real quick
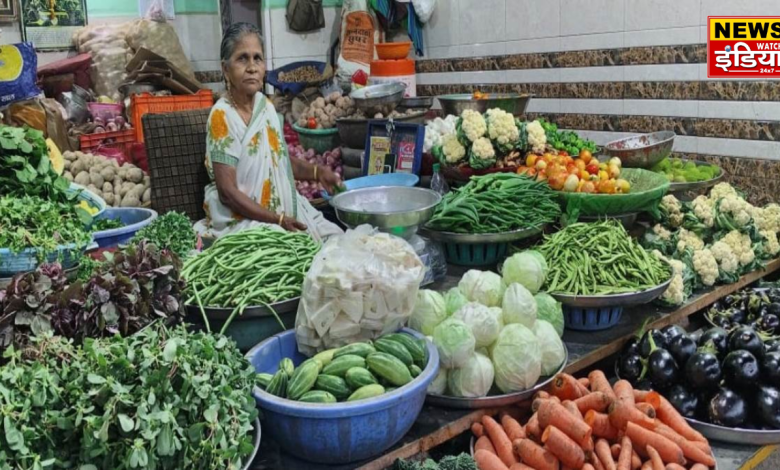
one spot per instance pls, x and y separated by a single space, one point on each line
455 342
454 300
517 358
429 311
549 310
519 306
485 287
485 322
439 384
472 380
553 353
527 268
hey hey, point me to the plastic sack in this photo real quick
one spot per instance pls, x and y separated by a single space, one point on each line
359 32
424 9
361 285
17 74
161 39
110 54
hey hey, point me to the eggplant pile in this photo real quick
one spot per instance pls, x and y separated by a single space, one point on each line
758 308
728 378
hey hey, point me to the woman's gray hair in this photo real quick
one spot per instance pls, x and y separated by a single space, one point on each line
234 34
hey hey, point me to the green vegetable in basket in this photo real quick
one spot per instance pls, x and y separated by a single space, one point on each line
429 310
172 231
528 268
678 170
485 322
453 300
485 287
549 310
519 306
517 358
473 380
553 352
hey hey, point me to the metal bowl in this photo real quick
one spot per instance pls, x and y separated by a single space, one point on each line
696 185
353 131
378 98
614 300
641 151
419 102
512 103
396 210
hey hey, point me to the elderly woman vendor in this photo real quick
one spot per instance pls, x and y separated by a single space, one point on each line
246 155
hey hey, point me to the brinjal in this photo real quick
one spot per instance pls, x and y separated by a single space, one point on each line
737 314
768 406
730 300
631 346
630 367
746 338
682 348
702 370
740 369
643 384
719 338
769 323
754 305
773 345
662 370
683 400
773 308
728 408
644 342
722 321
672 331
770 369
763 310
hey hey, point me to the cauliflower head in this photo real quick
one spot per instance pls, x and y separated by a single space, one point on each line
738 208
473 124
675 293
721 190
688 239
662 233
767 218
704 209
741 245
452 148
771 245
706 266
501 127
482 148
727 260
672 207
537 138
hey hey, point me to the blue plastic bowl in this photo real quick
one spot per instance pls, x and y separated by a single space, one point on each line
27 260
388 179
133 219
591 319
294 88
337 433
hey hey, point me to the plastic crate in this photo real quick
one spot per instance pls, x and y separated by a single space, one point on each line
477 254
146 103
104 111
591 319
121 140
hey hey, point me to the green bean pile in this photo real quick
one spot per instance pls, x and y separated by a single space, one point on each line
599 259
253 267
496 203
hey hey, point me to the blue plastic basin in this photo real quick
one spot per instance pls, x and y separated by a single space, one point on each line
27 259
388 179
93 199
337 433
133 219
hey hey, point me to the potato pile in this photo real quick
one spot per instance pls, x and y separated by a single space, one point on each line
119 186
323 112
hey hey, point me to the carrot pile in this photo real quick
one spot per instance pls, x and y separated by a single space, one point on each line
589 424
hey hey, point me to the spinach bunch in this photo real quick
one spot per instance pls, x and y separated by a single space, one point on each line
160 399
172 231
25 168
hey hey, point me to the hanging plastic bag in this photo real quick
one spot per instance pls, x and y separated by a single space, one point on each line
424 9
156 12
304 16
17 74
359 33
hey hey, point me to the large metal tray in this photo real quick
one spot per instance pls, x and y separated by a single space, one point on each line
474 238
751 437
221 313
495 400
615 300
696 185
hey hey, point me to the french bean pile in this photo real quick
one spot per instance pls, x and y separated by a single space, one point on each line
496 203
599 259
253 267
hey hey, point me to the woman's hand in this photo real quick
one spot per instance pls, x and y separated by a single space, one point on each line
328 179
292 225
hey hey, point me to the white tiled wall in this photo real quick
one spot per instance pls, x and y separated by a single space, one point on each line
287 46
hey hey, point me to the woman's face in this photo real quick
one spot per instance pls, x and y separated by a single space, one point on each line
245 69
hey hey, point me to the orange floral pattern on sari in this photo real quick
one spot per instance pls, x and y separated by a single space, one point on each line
219 126
265 195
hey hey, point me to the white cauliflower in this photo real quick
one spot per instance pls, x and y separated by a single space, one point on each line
452 148
673 208
483 149
688 239
473 124
537 138
741 245
501 127
675 293
721 190
704 209
706 266
724 255
436 130
771 245
738 208
661 232
766 218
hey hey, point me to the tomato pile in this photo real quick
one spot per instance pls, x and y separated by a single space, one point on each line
584 174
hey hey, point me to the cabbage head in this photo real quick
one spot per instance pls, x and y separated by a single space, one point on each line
455 342
553 353
473 380
527 268
429 311
485 287
517 359
519 306
438 385
485 322
454 300
549 310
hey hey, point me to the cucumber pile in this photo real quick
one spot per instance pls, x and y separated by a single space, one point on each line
353 372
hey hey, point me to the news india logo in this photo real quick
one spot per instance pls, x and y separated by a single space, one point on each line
743 47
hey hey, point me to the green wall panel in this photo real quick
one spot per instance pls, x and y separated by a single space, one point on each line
104 8
269 4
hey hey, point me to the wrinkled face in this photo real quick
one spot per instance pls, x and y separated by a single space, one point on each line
245 69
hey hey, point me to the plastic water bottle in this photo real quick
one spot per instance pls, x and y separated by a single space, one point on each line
437 181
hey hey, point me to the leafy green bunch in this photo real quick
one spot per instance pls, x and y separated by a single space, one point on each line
172 231
25 168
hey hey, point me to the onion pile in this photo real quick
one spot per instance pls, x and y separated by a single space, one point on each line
331 159
290 136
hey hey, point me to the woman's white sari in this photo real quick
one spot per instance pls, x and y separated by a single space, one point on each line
263 171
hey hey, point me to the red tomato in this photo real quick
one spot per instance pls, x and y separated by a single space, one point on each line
312 124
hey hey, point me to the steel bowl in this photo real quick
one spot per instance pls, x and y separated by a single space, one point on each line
675 187
641 151
396 210
628 299
378 98
512 103
353 132
419 102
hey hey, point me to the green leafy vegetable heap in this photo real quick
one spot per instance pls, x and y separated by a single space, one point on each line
566 140
25 168
160 399
450 462
172 231
100 225
678 170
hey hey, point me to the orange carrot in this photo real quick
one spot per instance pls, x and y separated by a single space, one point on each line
600 383
653 398
641 438
647 465
535 456
566 387
640 395
621 413
598 401
589 446
483 443
571 407
556 415
624 392
636 461
699 466
500 440
487 461
477 430
669 416
594 460
674 466
588 466
615 448
584 381
532 429
520 466
647 409
604 454
691 449
626 451
567 451
538 402
655 459
599 423
512 428
541 394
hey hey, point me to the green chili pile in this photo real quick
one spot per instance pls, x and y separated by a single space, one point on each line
599 259
496 203
259 266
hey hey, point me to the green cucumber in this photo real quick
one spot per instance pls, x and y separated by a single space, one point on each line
340 365
278 384
417 348
357 349
318 396
394 348
287 365
325 356
389 368
303 379
333 385
423 343
368 391
359 377
414 370
264 379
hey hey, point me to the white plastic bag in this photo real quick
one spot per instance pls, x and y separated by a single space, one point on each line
160 38
361 285
359 33
424 9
